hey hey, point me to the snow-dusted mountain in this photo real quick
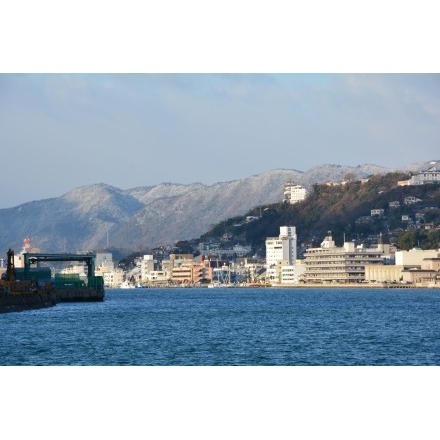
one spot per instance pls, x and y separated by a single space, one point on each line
91 217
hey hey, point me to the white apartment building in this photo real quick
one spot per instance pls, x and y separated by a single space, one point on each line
112 277
345 264
282 248
292 274
157 277
294 193
285 274
147 266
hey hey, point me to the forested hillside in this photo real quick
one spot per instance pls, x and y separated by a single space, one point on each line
343 210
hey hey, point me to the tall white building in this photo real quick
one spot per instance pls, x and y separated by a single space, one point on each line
282 249
147 266
294 193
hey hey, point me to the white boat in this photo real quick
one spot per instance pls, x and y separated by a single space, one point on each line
127 285
215 284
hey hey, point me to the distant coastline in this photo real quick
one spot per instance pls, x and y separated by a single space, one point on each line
307 286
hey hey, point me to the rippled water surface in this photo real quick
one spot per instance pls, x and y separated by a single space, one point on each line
230 327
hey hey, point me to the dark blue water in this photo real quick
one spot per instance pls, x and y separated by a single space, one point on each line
230 327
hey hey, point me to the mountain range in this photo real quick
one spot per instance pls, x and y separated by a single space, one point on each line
102 216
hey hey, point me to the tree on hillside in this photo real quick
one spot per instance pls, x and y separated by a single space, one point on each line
408 240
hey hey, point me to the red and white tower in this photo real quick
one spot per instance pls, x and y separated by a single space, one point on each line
27 245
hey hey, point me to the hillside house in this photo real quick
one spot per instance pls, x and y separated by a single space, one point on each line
411 200
378 212
364 220
294 193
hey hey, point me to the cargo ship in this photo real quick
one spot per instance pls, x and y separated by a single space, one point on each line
18 295
33 287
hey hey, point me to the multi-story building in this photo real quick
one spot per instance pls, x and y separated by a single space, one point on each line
294 193
414 257
104 259
427 272
157 277
345 264
292 274
113 278
383 273
147 266
285 274
190 273
282 248
428 173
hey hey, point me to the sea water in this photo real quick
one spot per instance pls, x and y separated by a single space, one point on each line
234 326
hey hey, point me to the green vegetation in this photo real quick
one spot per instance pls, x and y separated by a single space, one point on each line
345 210
420 238
340 209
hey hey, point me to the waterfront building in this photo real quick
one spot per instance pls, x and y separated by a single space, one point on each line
282 248
383 273
249 270
293 274
415 257
285 273
294 193
431 263
182 269
113 278
157 277
427 272
415 276
190 273
147 266
223 274
346 264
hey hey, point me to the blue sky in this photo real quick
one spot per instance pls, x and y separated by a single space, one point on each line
62 130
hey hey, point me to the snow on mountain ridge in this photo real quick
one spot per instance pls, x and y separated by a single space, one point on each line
148 216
